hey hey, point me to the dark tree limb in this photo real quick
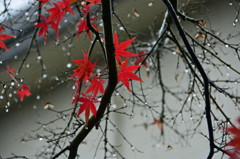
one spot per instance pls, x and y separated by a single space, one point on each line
112 80
202 72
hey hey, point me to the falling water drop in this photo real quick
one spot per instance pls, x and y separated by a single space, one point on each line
69 65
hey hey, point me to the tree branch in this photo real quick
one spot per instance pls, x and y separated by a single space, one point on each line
112 79
202 72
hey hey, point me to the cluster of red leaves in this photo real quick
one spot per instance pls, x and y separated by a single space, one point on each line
56 16
125 72
84 74
234 152
4 37
24 90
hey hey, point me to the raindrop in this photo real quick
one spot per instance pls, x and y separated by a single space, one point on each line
1 62
15 57
99 99
1 97
133 148
34 107
63 48
69 65
68 54
70 45
44 76
26 13
114 106
10 95
230 3
27 65
226 45
234 24
17 44
121 28
86 127
8 103
117 93
38 97
7 110
56 78
12 83
236 20
39 57
40 139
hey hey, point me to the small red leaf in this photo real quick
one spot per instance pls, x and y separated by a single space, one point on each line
4 37
120 48
23 91
97 86
125 74
87 106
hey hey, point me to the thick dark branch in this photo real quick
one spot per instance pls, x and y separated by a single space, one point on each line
112 80
202 72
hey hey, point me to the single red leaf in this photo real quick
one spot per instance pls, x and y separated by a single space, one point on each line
85 68
120 48
97 86
23 91
87 106
44 28
139 59
125 74
234 153
4 37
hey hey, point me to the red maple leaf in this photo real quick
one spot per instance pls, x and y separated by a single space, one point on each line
23 91
125 74
92 2
97 86
139 59
120 48
4 37
44 28
234 153
85 68
87 106
82 26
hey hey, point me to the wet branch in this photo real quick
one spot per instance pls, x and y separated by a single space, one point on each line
202 72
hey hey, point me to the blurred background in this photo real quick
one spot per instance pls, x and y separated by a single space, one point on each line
45 73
